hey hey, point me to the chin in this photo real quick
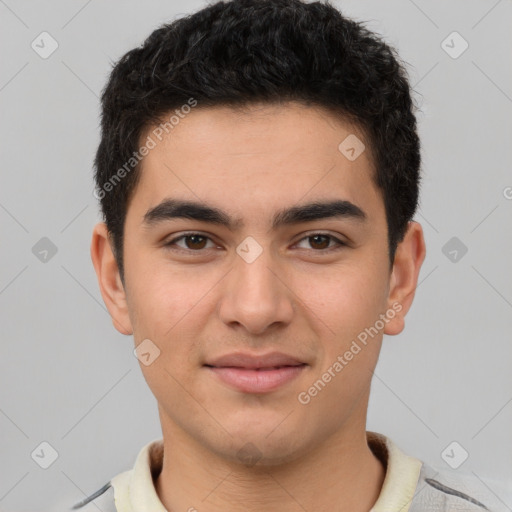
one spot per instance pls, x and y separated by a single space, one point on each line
263 447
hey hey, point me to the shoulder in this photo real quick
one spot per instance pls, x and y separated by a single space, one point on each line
441 490
411 485
117 495
114 496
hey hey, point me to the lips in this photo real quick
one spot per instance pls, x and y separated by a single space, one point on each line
254 361
256 373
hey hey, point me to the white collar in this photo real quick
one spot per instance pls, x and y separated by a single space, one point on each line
134 490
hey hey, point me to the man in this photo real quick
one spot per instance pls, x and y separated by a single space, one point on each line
258 174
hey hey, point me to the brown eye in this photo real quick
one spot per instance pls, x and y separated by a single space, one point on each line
322 242
319 241
193 242
196 241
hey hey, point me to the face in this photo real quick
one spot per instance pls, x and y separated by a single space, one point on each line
258 274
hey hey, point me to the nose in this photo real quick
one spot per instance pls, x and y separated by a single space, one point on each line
256 295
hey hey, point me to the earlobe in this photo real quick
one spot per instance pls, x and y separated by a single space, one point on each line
409 257
109 280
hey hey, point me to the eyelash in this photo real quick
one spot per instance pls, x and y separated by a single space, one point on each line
170 243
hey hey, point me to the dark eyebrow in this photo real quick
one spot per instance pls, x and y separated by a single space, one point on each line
318 211
175 208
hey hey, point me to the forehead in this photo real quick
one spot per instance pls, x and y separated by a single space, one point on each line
256 160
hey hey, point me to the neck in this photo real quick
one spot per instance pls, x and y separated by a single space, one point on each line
340 474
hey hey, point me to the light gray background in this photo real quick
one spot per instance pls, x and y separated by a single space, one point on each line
68 378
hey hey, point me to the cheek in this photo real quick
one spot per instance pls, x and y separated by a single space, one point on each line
349 303
345 299
163 298
168 309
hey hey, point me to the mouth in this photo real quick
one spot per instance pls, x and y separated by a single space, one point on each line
261 379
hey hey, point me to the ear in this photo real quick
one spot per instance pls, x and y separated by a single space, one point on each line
109 279
409 257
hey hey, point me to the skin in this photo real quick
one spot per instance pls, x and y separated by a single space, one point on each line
297 297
